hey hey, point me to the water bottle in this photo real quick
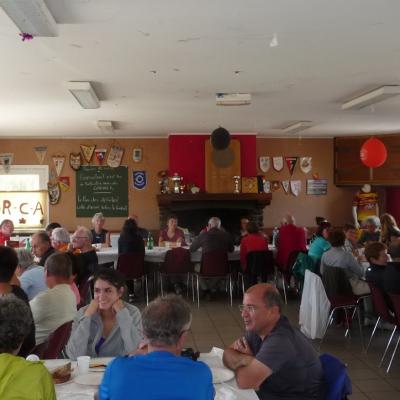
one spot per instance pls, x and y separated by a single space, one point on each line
28 246
150 242
274 235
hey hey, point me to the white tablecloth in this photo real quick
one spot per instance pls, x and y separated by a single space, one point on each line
155 255
224 391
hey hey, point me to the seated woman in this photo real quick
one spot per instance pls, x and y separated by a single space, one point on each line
350 244
320 243
371 232
100 235
108 326
130 239
172 234
253 241
6 230
376 255
389 229
20 379
339 258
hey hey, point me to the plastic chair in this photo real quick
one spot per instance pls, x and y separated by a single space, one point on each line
395 299
55 343
337 384
131 266
214 264
177 262
381 309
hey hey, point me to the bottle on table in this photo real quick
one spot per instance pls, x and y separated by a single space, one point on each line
28 244
150 242
275 233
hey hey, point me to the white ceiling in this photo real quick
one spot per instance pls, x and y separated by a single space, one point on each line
329 51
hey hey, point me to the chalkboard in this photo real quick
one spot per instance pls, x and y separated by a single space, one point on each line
102 189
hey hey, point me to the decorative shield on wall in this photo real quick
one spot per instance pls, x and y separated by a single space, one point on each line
277 163
75 161
285 185
115 156
265 163
54 193
139 179
295 187
87 152
306 164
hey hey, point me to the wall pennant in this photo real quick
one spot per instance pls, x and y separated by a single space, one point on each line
291 163
40 152
59 163
54 193
265 163
6 159
75 161
100 155
277 162
285 185
306 164
64 183
267 186
275 185
139 179
115 156
87 152
295 187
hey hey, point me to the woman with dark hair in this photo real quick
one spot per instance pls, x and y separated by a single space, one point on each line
320 243
19 379
253 241
172 235
130 240
389 229
108 326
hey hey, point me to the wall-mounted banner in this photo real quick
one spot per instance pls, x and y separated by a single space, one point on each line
6 159
54 193
87 152
277 163
64 183
115 156
285 185
306 164
139 179
59 163
27 210
100 155
295 187
267 187
40 152
291 163
265 163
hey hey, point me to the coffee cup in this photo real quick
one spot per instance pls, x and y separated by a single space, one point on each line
83 364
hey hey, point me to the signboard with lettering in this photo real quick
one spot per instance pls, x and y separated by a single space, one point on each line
317 187
27 210
102 189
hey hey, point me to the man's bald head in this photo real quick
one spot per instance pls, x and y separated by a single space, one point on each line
268 293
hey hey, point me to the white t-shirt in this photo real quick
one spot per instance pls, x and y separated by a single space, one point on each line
51 309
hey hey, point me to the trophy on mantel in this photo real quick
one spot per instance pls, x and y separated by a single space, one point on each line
176 181
236 180
163 181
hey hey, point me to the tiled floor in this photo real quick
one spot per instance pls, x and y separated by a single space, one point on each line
217 324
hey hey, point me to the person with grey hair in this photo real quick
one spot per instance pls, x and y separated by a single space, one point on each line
371 233
273 357
158 371
30 275
20 379
60 239
56 306
99 234
214 239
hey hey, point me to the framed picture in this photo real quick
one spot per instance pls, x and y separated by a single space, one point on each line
317 187
137 154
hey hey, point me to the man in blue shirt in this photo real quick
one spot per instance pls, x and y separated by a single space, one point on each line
157 371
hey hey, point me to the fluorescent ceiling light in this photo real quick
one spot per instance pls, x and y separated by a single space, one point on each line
298 126
106 127
31 16
84 94
372 97
233 99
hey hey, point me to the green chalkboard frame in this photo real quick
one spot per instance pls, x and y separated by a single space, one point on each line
102 189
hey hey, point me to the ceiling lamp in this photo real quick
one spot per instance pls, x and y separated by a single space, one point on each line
298 126
233 99
106 127
372 97
32 17
84 94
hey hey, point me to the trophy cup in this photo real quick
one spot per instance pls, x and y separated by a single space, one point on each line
176 180
236 179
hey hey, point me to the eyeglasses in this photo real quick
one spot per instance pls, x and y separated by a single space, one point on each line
79 237
250 309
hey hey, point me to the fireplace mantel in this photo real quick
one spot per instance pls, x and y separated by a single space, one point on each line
194 209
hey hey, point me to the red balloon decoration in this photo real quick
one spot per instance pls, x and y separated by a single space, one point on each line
373 153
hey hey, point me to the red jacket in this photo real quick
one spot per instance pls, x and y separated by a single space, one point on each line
291 238
3 238
251 242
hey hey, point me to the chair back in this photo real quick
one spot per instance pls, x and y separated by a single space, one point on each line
337 384
57 341
131 265
177 261
85 292
214 263
260 263
395 299
336 283
379 303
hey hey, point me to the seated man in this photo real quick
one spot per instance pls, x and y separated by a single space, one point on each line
273 357
53 308
376 255
86 254
350 244
291 238
371 232
157 371
215 238
41 247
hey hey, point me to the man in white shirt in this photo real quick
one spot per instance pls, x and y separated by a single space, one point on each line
53 308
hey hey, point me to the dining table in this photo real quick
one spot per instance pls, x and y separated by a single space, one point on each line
84 386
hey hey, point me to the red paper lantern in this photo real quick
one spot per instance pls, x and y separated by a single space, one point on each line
373 153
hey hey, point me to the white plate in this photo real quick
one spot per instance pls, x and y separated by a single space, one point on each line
89 379
222 374
97 369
